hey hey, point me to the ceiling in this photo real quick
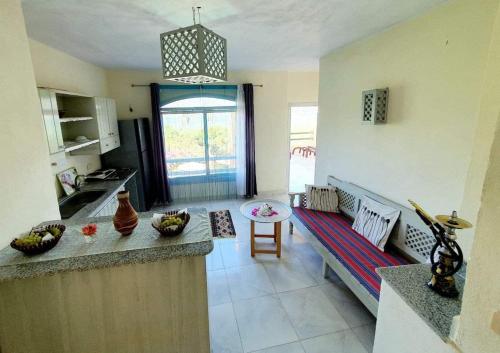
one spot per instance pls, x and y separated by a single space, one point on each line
261 34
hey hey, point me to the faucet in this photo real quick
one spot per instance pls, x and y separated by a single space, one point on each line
79 183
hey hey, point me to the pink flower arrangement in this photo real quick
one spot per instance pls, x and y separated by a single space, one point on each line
255 212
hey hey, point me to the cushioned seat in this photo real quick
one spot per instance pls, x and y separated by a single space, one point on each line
356 254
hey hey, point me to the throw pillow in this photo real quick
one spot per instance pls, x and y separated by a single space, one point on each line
375 221
322 198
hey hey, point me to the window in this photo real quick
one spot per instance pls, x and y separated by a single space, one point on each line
200 137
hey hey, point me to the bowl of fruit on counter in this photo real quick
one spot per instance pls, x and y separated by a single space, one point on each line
170 223
39 239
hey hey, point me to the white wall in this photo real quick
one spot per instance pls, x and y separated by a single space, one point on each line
433 66
482 288
56 69
25 167
401 330
271 112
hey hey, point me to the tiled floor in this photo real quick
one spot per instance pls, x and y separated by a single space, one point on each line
270 305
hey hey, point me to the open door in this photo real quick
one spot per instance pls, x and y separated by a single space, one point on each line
302 153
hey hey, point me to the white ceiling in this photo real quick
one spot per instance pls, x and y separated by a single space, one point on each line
261 34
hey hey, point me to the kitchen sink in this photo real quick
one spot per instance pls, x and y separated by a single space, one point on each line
77 201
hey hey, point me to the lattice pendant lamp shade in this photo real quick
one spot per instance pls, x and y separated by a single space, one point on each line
194 55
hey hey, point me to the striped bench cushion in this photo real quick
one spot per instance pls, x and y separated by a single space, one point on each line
357 254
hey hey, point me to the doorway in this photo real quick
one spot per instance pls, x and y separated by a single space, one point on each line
302 152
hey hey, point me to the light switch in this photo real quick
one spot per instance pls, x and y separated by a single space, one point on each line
495 322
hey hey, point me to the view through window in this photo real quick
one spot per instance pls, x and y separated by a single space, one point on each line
200 137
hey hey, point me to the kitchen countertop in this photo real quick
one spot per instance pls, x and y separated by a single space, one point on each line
110 249
410 282
110 186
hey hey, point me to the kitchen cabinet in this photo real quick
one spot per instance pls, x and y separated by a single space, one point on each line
107 123
103 126
92 117
51 121
112 117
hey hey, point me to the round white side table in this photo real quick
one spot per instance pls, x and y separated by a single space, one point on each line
284 212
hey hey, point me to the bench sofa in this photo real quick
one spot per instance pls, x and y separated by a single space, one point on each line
352 257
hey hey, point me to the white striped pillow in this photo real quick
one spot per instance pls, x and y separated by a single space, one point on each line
322 198
375 221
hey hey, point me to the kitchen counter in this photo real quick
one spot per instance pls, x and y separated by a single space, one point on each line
145 244
409 282
110 186
137 293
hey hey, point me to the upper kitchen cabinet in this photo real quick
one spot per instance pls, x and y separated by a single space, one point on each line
50 114
112 117
103 125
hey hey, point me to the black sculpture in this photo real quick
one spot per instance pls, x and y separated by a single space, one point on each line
450 255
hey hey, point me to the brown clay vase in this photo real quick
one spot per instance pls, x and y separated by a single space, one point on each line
125 219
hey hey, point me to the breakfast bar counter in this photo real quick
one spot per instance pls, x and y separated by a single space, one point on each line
137 293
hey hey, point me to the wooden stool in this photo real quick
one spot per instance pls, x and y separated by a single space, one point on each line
276 236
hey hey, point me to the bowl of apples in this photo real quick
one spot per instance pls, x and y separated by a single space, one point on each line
171 223
39 239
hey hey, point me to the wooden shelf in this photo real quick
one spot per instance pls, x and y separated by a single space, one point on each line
75 118
73 145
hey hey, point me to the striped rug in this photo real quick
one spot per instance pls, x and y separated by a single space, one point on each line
222 224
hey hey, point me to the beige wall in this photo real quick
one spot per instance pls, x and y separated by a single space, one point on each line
56 69
484 132
23 150
433 66
482 290
271 112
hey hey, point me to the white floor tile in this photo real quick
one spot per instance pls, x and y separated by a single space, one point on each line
224 334
214 259
236 254
273 323
263 323
289 274
311 313
294 347
218 289
339 342
249 282
366 335
348 305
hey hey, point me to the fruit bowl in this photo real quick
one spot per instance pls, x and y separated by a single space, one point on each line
33 245
172 229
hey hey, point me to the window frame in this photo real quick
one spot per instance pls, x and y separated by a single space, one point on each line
227 176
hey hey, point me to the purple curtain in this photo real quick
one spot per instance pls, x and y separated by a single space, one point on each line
161 190
251 180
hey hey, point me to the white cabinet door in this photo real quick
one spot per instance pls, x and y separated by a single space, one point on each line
101 108
112 117
51 121
113 123
107 144
107 123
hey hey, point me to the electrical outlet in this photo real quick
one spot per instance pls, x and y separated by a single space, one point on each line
495 322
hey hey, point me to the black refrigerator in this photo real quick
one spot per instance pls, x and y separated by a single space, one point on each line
135 151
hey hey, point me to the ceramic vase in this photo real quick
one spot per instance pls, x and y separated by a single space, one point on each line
125 219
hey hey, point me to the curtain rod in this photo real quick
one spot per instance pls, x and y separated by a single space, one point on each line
135 85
